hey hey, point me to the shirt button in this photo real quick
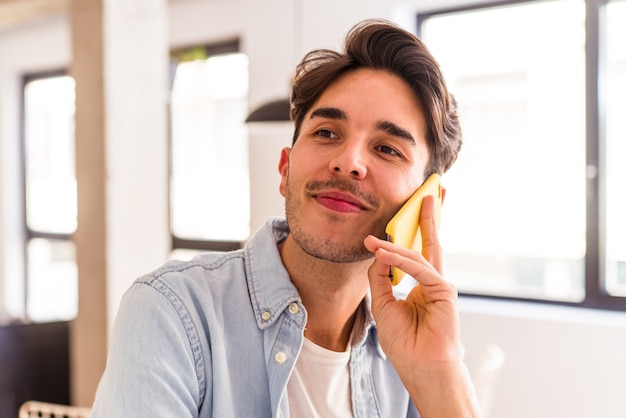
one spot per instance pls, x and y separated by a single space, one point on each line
280 357
266 316
294 308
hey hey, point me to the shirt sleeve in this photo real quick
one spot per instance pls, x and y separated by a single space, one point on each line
152 367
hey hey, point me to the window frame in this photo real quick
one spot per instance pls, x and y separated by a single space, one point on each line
596 297
208 50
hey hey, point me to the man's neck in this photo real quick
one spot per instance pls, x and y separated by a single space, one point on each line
331 293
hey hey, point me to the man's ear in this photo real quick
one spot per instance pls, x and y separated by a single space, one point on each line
443 194
283 169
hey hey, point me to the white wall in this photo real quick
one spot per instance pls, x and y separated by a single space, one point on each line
560 362
135 94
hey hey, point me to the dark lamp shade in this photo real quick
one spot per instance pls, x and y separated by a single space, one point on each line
274 111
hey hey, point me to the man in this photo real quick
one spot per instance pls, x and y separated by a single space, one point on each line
287 326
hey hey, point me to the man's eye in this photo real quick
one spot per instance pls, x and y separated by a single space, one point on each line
385 149
326 134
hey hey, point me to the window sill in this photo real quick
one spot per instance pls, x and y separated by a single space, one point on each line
541 311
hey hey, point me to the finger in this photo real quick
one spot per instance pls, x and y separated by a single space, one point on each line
409 261
431 247
380 283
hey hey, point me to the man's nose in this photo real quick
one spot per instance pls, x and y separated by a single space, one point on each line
350 160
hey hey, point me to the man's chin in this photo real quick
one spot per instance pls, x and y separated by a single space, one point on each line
339 255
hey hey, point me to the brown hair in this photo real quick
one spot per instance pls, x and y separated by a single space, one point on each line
382 45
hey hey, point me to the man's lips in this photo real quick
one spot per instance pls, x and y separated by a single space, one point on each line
340 202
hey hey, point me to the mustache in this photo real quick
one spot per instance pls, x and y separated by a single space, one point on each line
345 186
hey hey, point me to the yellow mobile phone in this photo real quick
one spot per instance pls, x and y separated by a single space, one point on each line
403 228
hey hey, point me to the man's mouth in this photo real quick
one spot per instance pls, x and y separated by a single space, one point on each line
340 202
341 196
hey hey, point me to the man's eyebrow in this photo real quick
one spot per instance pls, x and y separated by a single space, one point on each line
388 127
394 130
329 113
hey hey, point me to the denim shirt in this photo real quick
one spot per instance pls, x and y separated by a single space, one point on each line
219 336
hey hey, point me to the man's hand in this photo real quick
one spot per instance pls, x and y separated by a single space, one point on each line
420 335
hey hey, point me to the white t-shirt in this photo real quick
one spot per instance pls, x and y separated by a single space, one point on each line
319 386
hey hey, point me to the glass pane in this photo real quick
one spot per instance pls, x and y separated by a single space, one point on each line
616 149
52 292
50 168
210 177
513 222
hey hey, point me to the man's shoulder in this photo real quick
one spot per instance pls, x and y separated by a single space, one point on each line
255 272
207 266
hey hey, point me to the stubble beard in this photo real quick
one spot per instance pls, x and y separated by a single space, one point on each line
315 245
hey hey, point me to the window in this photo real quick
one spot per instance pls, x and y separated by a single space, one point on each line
515 223
209 190
50 197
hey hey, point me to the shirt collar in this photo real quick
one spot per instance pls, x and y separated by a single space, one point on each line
271 289
365 326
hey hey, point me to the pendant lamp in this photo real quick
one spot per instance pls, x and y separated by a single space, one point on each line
273 111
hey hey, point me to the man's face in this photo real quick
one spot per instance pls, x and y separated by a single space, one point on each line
360 154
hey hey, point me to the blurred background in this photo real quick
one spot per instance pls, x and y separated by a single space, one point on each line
124 142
